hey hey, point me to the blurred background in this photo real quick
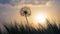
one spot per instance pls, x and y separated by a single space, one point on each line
43 13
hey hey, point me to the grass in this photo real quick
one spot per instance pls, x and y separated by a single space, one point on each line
15 30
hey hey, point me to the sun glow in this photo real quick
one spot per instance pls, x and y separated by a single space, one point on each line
40 18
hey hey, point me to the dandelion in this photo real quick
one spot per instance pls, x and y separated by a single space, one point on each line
25 11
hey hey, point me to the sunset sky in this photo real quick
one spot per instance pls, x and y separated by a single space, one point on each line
10 9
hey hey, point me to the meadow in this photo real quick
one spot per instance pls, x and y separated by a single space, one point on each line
51 29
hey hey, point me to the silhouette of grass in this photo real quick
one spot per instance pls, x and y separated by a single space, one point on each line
51 29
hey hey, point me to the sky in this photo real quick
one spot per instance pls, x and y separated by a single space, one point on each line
10 9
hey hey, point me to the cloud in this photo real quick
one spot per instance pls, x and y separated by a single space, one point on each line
14 2
10 2
5 1
33 2
41 1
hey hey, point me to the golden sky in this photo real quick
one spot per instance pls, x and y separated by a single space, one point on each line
10 9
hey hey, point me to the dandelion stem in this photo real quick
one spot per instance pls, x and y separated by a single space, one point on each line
26 19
